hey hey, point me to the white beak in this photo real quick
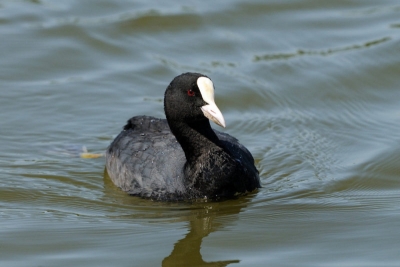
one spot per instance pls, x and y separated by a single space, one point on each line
213 113
210 111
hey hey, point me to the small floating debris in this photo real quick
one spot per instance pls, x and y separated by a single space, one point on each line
86 155
74 151
91 155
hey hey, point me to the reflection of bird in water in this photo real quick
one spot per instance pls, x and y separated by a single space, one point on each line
203 219
186 251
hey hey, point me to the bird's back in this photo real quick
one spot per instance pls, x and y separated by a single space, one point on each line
146 160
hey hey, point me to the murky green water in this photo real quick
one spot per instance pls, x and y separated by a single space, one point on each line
312 88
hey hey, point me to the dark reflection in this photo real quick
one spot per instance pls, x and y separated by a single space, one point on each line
204 218
186 251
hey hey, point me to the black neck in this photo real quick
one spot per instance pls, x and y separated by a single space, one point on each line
196 139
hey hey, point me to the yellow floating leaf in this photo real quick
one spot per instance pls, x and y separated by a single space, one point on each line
90 155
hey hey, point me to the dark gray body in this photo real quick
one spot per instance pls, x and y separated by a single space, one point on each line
146 160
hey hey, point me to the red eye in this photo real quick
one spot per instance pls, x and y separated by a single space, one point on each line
191 92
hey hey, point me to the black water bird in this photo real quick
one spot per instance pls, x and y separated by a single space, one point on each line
182 157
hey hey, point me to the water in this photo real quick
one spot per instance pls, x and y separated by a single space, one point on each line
310 87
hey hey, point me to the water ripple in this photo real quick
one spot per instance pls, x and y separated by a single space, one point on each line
326 52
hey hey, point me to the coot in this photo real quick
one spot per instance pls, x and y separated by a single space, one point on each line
182 157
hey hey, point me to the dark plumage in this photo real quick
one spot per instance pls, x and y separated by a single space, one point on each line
181 158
